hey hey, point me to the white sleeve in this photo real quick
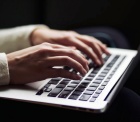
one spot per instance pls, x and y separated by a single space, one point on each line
4 71
16 38
13 39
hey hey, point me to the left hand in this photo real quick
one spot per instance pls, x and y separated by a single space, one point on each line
92 47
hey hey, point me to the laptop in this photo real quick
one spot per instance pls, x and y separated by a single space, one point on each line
93 93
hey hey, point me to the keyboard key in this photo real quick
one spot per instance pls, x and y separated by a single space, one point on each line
101 87
74 97
82 85
85 83
91 88
88 92
47 89
60 86
80 89
98 91
64 94
116 57
69 89
102 75
54 81
78 93
95 71
72 85
92 75
65 81
110 64
55 92
39 92
97 81
99 78
47 85
84 97
104 83
104 72
95 95
109 77
106 58
76 81
92 99
94 85
107 80
88 78
107 68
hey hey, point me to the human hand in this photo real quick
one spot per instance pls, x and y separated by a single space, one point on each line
38 63
92 47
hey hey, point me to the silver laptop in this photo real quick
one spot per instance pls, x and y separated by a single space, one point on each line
93 93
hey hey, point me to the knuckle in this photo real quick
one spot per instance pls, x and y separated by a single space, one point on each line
71 52
43 46
43 49
44 43
68 36
91 43
85 47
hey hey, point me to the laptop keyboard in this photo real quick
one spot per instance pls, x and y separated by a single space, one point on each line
86 89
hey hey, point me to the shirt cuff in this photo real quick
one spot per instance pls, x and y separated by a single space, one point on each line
4 70
27 30
18 37
23 35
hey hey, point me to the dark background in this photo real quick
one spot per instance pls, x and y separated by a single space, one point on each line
71 14
122 15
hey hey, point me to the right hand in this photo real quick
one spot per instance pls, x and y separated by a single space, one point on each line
37 63
89 45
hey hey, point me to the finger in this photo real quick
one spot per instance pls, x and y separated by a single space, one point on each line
74 54
72 41
54 45
103 47
86 49
65 61
58 72
93 45
59 46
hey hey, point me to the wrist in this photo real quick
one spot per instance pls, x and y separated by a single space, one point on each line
36 35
